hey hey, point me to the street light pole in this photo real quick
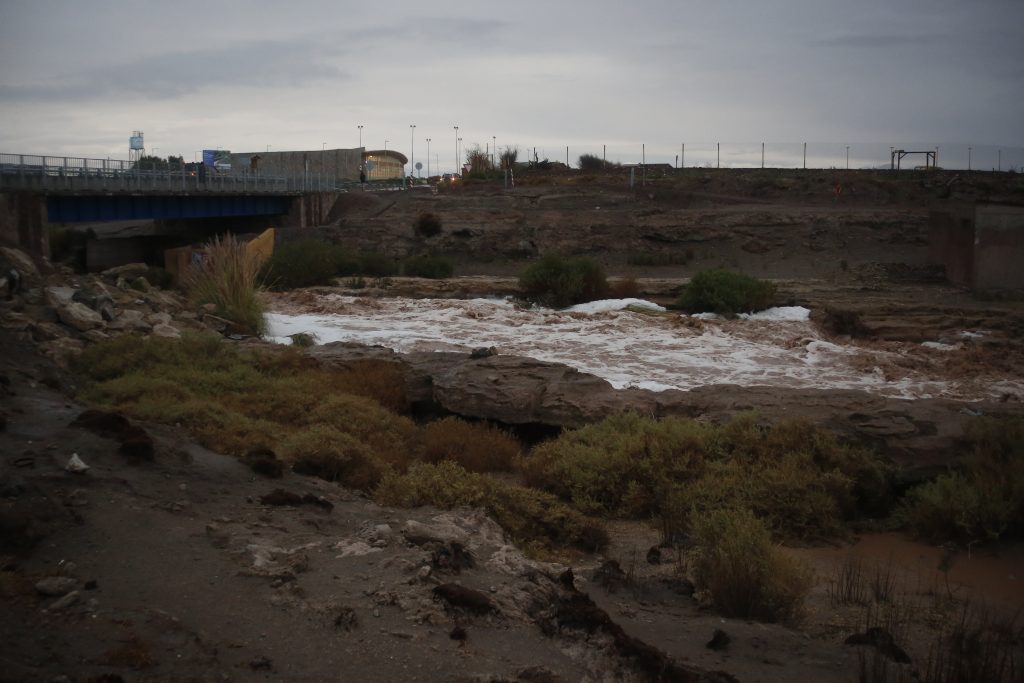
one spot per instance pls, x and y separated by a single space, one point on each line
494 151
428 159
456 169
412 155
385 145
847 157
360 136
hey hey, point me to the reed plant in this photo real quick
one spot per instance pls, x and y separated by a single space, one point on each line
228 277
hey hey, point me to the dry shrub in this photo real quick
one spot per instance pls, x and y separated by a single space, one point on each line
228 278
394 439
744 574
380 380
984 501
529 516
479 447
796 476
330 454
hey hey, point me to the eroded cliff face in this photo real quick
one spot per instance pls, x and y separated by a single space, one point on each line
657 230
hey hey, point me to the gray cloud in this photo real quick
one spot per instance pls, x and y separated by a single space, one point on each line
270 64
875 41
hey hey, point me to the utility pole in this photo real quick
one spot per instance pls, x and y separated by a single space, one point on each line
968 158
360 135
762 155
718 148
847 157
494 151
428 159
456 169
412 149
805 156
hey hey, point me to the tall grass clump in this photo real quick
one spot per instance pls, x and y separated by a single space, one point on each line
726 293
744 575
228 278
984 499
557 282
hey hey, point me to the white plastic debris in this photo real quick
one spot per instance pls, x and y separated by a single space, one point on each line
76 464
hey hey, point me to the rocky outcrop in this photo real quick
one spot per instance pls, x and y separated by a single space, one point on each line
922 436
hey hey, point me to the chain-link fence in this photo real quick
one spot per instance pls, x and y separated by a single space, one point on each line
816 155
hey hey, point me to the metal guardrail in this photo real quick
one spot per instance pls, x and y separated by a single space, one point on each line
78 174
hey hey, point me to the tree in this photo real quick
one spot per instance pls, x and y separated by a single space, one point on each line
509 157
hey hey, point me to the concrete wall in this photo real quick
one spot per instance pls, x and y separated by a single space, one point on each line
331 164
999 247
981 247
23 222
951 244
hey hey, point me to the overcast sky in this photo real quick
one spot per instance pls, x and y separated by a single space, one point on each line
76 77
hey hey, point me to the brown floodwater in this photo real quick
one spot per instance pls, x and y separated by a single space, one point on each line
993 573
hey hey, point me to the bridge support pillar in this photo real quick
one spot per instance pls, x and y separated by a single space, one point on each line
23 222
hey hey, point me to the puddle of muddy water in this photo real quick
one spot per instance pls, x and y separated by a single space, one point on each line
993 573
654 350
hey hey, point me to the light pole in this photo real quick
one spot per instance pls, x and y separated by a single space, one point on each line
428 159
494 151
385 145
360 136
968 158
412 148
847 157
456 149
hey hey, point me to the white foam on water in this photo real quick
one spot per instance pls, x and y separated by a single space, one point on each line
630 349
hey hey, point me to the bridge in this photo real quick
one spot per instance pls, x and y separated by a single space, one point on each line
79 189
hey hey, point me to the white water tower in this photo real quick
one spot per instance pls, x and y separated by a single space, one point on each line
136 146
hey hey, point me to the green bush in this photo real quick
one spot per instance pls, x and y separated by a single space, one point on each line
428 225
982 502
557 282
744 575
434 267
376 265
726 293
305 263
529 516
228 278
797 477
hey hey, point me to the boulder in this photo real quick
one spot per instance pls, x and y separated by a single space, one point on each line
97 301
79 316
129 320
166 330
15 259
921 436
519 390
129 271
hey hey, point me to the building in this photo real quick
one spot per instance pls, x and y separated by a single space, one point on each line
384 164
324 167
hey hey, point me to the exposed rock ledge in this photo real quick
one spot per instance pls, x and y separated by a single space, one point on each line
922 435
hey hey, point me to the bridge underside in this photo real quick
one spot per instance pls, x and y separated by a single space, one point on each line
77 209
